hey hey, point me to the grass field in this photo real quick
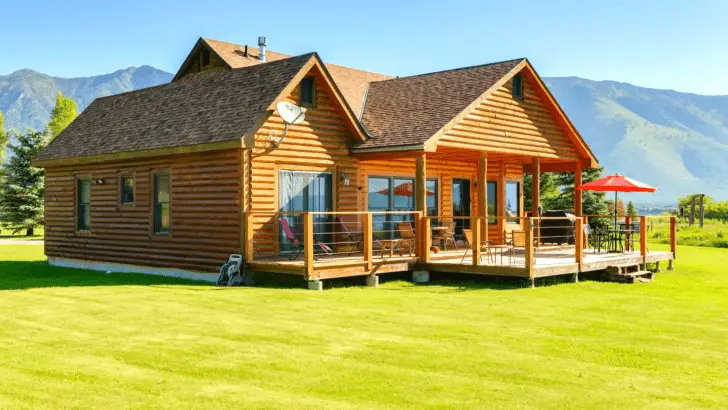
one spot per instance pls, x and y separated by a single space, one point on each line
72 338
7 234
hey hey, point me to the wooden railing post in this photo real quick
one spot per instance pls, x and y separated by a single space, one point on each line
627 225
585 245
249 237
579 242
673 236
643 240
308 243
426 240
418 234
368 233
475 224
528 227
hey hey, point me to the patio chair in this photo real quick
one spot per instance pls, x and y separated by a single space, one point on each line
357 238
406 236
599 237
296 244
468 234
518 241
449 234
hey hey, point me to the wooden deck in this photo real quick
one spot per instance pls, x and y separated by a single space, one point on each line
547 262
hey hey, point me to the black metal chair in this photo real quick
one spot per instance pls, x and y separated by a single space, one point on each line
599 237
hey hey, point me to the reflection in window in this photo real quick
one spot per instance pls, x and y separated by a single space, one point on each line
492 203
431 197
513 201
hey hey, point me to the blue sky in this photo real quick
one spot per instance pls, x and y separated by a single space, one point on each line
681 45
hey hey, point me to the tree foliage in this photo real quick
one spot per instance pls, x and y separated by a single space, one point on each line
63 114
22 190
631 211
557 192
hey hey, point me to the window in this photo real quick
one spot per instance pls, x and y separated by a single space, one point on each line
517 87
431 197
83 199
161 203
397 194
513 201
308 92
492 203
127 190
305 192
205 56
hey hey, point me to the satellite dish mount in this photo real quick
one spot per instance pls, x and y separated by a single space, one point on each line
291 114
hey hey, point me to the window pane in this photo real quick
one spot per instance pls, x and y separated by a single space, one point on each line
513 208
162 187
83 202
403 194
164 218
492 202
307 91
84 191
127 190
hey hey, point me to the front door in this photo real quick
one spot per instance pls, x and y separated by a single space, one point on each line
305 192
461 205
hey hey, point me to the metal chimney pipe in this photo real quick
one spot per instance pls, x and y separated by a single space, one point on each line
261 43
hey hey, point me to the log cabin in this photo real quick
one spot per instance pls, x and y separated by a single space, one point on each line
173 179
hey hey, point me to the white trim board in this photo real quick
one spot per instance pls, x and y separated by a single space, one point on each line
128 268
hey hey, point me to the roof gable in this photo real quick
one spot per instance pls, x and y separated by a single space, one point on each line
408 111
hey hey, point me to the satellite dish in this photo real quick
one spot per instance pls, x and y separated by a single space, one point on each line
291 114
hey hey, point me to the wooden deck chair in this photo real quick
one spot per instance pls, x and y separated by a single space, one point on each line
449 234
406 237
468 234
518 241
356 238
296 244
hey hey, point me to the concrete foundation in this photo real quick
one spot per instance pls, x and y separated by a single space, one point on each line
372 281
315 285
420 276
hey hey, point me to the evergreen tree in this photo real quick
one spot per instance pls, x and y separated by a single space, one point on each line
561 196
631 211
21 192
3 137
63 114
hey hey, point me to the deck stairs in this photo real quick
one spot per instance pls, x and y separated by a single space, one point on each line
628 273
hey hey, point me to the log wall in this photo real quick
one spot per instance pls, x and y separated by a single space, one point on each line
205 212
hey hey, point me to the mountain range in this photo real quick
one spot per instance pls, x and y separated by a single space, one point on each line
675 141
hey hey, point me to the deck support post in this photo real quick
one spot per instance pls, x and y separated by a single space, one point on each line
368 233
483 193
308 243
426 239
577 190
475 224
536 194
529 251
579 246
420 276
315 285
372 281
657 267
670 265
643 240
627 223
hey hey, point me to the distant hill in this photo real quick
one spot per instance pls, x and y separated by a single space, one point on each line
27 97
675 141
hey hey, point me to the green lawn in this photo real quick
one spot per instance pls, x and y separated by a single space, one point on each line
8 234
71 338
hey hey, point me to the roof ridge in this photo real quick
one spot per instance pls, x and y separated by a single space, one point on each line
453 69
208 72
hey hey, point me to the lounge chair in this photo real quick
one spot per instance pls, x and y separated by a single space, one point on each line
468 234
296 244
356 238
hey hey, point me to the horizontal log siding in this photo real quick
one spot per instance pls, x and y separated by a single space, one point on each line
205 212
319 144
504 125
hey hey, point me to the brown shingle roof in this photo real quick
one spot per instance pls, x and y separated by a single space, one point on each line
410 110
209 107
352 83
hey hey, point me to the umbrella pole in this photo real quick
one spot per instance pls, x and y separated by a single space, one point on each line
615 210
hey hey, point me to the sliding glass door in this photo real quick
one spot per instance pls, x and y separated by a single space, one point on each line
305 192
389 194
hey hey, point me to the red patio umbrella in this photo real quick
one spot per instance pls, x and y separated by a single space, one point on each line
617 183
405 189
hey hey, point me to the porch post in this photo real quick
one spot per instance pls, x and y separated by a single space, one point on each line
577 190
483 194
421 185
535 186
